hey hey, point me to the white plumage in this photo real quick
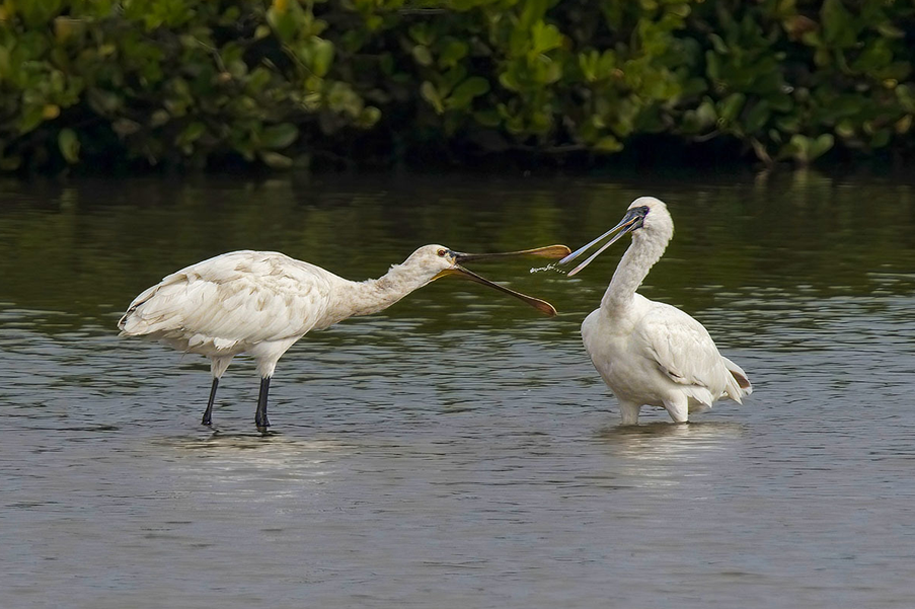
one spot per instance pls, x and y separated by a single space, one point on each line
261 303
650 353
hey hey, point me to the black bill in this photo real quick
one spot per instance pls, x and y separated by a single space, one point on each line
631 221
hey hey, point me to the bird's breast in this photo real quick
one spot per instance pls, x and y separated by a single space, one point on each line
619 359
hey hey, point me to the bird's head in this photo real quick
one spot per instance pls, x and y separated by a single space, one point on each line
439 261
645 215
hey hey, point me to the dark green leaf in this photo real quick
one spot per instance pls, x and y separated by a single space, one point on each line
422 55
322 56
431 95
275 159
608 143
463 94
838 24
68 143
279 136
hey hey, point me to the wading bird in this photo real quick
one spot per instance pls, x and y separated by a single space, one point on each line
261 303
650 353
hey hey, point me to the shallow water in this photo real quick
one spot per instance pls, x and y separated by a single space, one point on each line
459 450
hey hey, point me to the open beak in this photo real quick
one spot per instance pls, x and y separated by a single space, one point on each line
551 251
631 221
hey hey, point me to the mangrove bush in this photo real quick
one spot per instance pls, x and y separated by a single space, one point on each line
110 83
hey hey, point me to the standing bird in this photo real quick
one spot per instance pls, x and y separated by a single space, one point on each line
261 303
650 353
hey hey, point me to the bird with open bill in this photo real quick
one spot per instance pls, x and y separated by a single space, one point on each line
650 353
261 303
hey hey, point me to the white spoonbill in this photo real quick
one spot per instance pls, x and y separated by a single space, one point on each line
650 353
261 303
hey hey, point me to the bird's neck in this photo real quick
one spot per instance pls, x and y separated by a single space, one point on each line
374 295
645 251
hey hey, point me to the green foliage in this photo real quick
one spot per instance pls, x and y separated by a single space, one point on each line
187 82
175 81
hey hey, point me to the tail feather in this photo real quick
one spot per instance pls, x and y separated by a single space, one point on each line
155 310
746 387
128 322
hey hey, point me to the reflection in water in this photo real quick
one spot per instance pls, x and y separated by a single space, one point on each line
274 447
270 470
663 441
668 455
455 450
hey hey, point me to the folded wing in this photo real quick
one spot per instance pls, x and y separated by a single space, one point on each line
240 297
684 351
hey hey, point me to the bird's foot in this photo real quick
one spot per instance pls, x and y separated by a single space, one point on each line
262 424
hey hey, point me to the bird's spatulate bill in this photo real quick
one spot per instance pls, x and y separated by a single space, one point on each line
626 223
597 253
548 251
541 305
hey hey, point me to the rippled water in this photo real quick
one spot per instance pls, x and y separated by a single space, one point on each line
458 450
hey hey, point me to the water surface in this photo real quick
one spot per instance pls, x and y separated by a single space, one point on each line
458 450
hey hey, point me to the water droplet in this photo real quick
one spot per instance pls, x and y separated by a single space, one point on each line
549 267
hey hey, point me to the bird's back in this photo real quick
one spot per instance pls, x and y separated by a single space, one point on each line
229 302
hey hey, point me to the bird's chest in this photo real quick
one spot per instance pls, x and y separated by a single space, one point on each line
621 361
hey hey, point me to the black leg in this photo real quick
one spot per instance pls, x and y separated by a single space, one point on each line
260 415
208 413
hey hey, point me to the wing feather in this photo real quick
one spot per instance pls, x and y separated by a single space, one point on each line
685 352
239 297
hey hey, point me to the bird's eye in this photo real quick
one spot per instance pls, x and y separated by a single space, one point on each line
442 252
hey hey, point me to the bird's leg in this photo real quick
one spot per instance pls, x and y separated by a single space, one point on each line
260 415
629 413
208 413
218 365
